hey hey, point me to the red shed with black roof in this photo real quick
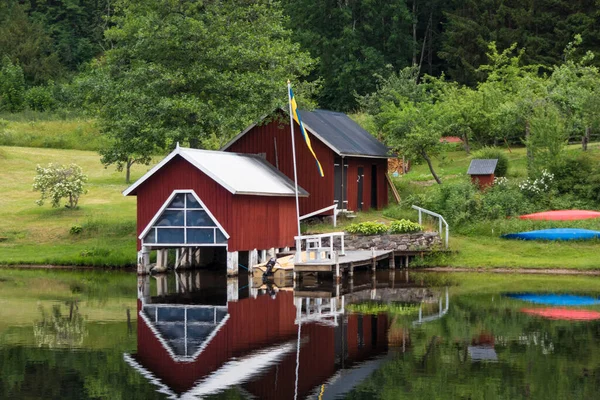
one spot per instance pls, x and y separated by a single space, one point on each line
354 162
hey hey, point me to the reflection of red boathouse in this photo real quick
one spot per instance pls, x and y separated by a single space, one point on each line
250 343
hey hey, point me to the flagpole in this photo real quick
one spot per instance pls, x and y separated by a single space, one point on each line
294 155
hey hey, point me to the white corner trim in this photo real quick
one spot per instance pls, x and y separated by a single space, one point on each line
168 201
148 174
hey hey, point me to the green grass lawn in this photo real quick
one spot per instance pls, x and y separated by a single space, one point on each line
39 131
30 234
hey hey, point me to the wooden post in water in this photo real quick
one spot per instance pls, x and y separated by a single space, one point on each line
373 260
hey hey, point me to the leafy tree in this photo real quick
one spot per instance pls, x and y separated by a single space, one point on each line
353 41
26 43
12 86
407 115
548 137
57 182
188 71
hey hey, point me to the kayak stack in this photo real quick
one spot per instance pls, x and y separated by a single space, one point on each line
558 233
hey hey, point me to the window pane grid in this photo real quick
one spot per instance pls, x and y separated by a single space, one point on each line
161 233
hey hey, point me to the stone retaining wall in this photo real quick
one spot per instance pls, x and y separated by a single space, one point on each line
403 242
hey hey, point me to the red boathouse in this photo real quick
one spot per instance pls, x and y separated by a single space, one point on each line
353 161
217 202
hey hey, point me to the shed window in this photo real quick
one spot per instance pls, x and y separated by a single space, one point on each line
185 220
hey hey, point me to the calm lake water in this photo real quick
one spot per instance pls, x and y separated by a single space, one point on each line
110 335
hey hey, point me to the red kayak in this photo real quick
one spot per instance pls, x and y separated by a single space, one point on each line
562 215
563 313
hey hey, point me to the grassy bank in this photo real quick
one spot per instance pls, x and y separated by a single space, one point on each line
30 234
46 131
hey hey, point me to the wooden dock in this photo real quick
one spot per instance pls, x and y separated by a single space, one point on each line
356 258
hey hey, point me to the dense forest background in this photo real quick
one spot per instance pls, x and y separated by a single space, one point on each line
353 41
156 72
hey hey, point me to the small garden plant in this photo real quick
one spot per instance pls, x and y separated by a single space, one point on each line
368 228
405 226
378 228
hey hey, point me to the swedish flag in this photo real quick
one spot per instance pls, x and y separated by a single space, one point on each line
296 116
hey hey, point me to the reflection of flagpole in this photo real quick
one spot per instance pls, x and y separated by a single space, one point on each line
297 360
294 156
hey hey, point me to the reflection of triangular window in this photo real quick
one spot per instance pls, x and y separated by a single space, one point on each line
185 330
184 220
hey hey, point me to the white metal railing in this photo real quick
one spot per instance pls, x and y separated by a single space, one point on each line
441 312
320 310
440 218
315 243
322 210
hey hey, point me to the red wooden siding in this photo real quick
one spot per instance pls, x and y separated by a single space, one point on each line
260 323
253 324
262 139
252 222
483 180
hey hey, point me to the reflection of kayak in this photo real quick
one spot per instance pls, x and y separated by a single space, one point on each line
562 215
551 299
555 234
563 313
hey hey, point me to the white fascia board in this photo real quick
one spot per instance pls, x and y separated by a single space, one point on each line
166 203
148 174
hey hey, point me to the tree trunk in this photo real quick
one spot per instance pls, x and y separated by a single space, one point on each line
585 139
527 135
128 171
466 144
414 32
426 157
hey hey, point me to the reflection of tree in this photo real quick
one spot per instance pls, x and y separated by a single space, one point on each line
58 330
536 358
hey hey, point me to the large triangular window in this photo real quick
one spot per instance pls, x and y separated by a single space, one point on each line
184 220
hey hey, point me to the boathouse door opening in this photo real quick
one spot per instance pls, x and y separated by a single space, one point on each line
340 188
360 180
184 221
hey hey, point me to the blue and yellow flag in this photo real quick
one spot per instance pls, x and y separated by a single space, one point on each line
296 116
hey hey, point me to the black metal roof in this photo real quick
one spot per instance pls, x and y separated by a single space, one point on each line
342 134
482 166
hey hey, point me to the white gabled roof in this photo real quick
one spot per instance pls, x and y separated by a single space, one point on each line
238 173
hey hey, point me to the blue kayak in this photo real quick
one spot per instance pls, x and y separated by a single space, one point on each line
551 299
555 234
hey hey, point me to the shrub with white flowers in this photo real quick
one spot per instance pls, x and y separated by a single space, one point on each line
537 186
56 182
501 181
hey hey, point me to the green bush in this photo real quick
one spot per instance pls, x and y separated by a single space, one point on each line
491 153
574 174
367 228
75 230
405 226
12 86
40 98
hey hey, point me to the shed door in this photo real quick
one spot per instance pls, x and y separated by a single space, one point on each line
360 179
340 190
